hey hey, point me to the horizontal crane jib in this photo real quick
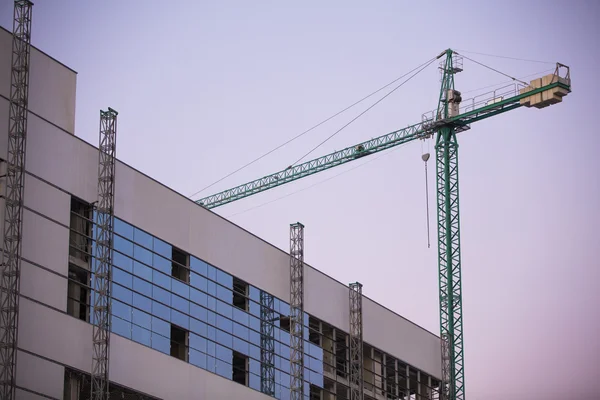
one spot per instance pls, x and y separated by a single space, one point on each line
293 173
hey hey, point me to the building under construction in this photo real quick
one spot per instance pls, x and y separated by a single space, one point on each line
114 286
198 308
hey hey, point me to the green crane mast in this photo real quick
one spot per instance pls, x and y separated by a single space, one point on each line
449 119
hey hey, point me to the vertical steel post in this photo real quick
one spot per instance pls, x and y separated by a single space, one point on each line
13 203
103 255
451 332
296 311
267 344
356 342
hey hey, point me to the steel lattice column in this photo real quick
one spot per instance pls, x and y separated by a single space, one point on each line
449 266
13 211
267 344
103 254
356 342
296 311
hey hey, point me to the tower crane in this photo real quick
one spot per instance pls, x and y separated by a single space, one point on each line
452 116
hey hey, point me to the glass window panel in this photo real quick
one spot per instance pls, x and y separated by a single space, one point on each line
284 365
240 331
162 264
181 288
122 278
161 311
123 228
122 261
284 308
224 309
197 358
198 327
161 327
161 295
224 324
254 293
224 339
198 282
180 319
225 279
122 293
197 343
198 312
210 363
121 327
211 318
223 369
121 310
211 332
180 304
224 353
284 337
254 381
254 351
211 348
211 303
254 323
141 335
240 316
141 286
162 280
141 237
162 248
161 343
212 288
142 319
142 271
142 255
198 297
224 294
254 337
211 273
198 266
142 302
240 346
254 308
123 245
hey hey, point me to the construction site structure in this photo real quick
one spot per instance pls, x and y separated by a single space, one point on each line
14 176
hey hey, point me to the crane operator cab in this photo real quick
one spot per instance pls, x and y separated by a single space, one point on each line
454 98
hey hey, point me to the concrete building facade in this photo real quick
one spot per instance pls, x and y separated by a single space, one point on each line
186 284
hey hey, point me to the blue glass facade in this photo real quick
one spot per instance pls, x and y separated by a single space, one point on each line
147 300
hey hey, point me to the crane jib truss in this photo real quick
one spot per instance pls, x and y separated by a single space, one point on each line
444 123
13 202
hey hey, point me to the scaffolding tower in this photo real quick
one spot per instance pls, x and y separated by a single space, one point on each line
296 311
267 344
103 255
356 342
13 202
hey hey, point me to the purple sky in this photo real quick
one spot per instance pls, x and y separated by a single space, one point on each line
204 87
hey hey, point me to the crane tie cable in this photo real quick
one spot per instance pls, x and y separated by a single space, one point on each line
307 131
422 67
495 70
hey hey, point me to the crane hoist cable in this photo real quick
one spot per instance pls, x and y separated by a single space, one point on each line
506 57
310 129
423 66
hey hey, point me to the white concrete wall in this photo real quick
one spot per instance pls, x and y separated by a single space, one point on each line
51 85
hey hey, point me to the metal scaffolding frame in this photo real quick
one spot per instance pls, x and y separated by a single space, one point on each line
356 342
103 255
13 207
296 311
267 344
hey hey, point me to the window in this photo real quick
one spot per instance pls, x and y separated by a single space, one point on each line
285 323
315 392
240 368
78 293
180 265
80 233
341 354
240 294
314 331
179 343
